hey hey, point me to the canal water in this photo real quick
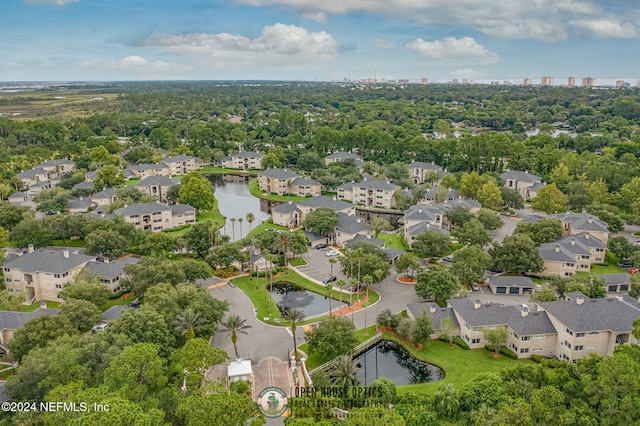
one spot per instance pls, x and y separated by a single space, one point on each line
391 360
235 201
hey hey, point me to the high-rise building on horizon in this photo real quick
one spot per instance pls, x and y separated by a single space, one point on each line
546 81
571 81
527 81
589 81
424 81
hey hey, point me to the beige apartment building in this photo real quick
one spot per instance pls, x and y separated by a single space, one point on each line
370 193
292 214
182 164
143 171
420 172
156 216
521 181
245 160
156 186
276 181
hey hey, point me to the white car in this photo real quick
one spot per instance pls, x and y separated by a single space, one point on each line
332 253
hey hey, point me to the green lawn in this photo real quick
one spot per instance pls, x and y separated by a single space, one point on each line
6 373
131 182
255 191
263 227
118 301
214 170
213 216
33 306
606 269
314 360
460 365
297 261
68 243
395 241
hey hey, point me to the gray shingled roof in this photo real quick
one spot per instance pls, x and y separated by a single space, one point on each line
181 208
49 260
104 194
425 166
10 320
573 245
157 180
285 207
142 208
31 173
615 278
437 315
83 185
54 163
304 181
490 314
41 184
363 238
279 174
505 281
520 176
112 268
556 252
146 166
583 221
532 218
376 184
350 224
595 314
537 186
79 203
18 195
114 312
393 253
97 215
341 155
181 157
421 227
324 201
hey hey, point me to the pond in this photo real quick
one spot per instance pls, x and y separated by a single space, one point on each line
235 201
391 360
289 295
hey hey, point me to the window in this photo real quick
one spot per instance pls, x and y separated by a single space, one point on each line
8 280
578 348
567 344
475 341
579 334
539 336
536 350
58 285
7 270
526 338
66 274
593 333
56 275
524 350
569 332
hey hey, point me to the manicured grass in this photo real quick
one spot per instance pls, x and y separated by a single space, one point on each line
131 182
6 373
214 170
297 261
34 306
255 191
460 365
263 227
119 301
314 360
213 216
606 269
68 243
395 241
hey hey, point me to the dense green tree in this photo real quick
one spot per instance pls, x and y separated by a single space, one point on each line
422 329
447 331
156 243
543 231
446 400
11 301
275 158
436 282
152 270
38 332
201 237
31 231
225 255
484 389
309 161
322 221
196 191
472 232
344 373
220 408
4 237
469 264
458 216
512 198
145 325
489 219
550 200
52 199
187 322
81 314
109 176
364 258
379 224
194 359
621 247
431 244
294 316
194 270
106 243
11 215
517 253
332 338
407 263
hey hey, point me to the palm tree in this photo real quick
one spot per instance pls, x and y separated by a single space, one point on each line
188 321
295 316
240 223
283 243
332 261
345 372
233 228
330 287
340 284
250 219
234 325
367 280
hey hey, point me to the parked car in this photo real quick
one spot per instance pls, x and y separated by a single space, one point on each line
448 258
99 327
135 305
332 253
321 246
475 287
624 263
329 280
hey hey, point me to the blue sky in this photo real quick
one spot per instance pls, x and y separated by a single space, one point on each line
65 40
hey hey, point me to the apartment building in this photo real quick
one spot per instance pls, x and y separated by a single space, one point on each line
182 164
421 172
276 181
370 193
143 171
520 181
341 156
245 160
155 216
156 186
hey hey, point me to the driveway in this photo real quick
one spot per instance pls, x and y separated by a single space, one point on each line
318 266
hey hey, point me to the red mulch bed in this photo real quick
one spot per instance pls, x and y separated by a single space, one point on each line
407 280
124 296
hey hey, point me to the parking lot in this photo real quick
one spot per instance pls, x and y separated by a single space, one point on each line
319 268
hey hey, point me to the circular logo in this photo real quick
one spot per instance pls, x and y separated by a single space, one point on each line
272 402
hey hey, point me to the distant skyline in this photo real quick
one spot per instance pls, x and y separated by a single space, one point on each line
324 40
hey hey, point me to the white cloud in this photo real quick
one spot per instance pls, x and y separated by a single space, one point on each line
140 67
385 44
605 28
545 20
465 50
278 44
52 2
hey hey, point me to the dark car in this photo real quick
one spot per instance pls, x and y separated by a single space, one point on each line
329 280
321 246
135 305
624 264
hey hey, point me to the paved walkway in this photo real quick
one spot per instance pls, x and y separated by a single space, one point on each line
270 372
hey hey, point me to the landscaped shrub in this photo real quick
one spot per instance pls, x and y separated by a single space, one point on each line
177 228
458 341
504 351
387 319
537 358
405 328
225 272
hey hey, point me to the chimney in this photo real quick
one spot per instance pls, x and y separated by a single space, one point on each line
81 198
619 297
420 210
290 202
105 260
586 236
579 300
590 220
557 249
31 249
477 304
284 170
524 312
65 253
573 241
334 198
358 220
584 210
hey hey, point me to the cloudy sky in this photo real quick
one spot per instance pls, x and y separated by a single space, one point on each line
63 40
